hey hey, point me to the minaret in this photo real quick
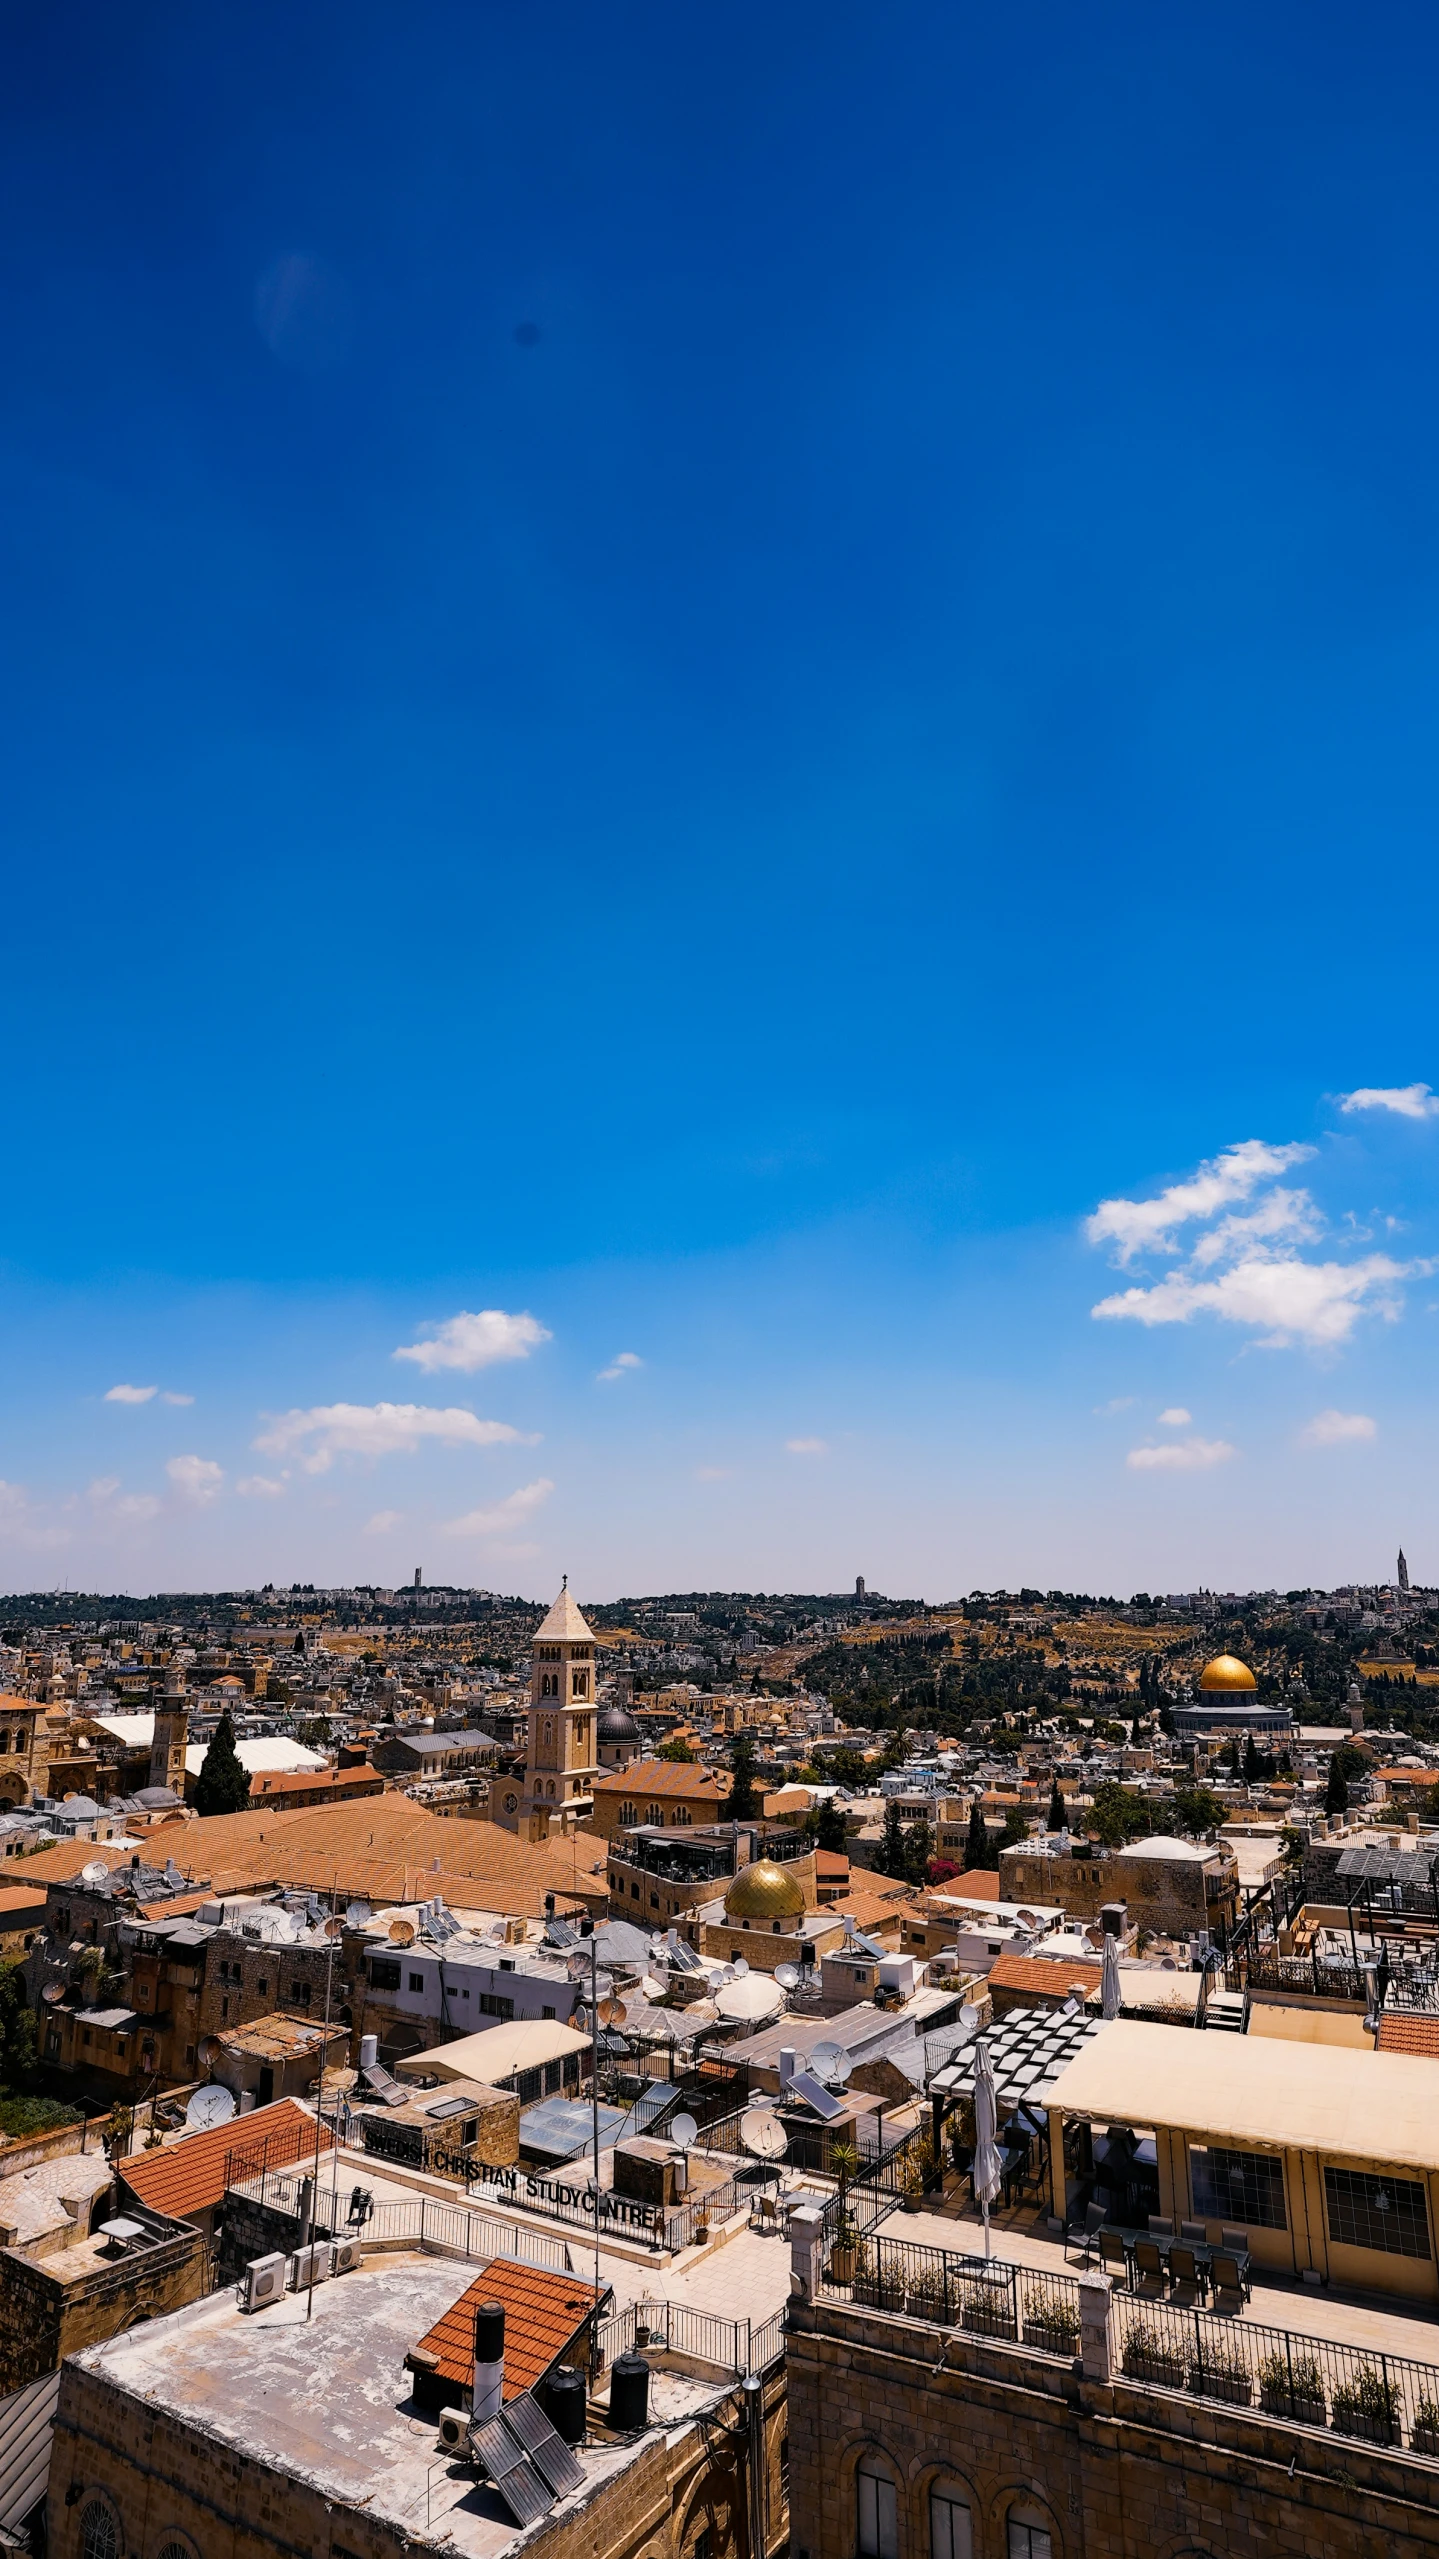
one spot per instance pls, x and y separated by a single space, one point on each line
172 1726
1403 1571
561 1764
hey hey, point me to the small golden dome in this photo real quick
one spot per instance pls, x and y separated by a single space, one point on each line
1225 1671
764 1891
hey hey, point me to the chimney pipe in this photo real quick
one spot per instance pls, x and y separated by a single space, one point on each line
489 2378
786 2066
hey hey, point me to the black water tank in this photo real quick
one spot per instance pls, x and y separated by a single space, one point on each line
629 2394
489 2332
562 2397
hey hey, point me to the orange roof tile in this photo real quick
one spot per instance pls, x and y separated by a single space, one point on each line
975 1884
544 2313
385 1848
192 2175
664 1777
21 1896
828 1861
299 1781
1401 2033
1038 1974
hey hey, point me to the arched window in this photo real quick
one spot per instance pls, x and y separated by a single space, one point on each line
176 2550
876 2511
582 1683
99 2538
1027 2534
627 1816
951 2525
547 1734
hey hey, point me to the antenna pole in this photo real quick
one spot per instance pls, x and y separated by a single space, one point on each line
595 2083
319 2122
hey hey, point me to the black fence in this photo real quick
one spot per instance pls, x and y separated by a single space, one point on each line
1377 2398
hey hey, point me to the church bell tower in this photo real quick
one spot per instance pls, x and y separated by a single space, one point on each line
561 1764
172 1730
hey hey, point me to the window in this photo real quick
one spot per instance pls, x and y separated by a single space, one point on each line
544 2012
384 1975
98 2536
876 2512
1238 2186
528 2085
491 2005
182 2550
1028 2540
417 1981
951 2529
1376 2212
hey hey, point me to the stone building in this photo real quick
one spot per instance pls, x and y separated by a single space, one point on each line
1172 1887
24 1751
84 2285
561 1762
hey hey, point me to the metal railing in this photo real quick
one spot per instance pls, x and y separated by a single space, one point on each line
420 2222
1265 1969
1353 2390
737 2346
875 2191
989 2296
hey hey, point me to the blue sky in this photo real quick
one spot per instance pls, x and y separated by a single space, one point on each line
704 676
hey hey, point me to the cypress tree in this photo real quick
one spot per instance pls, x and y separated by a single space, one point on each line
976 1846
222 1785
1056 1817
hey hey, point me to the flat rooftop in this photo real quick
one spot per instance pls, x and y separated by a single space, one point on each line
329 2403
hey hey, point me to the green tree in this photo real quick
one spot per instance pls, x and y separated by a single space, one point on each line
1056 1818
1195 1810
892 1859
743 1802
17 2034
918 1851
222 1786
1016 1828
976 1846
829 1830
675 1748
1116 1815
1336 1793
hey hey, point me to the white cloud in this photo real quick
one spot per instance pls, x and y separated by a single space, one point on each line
1318 1303
1174 1417
382 1523
475 1341
713 1474
1116 1404
1407 1101
1135 1226
168 1398
136 1508
1329 1429
23 1523
130 1394
103 1488
620 1366
198 1478
379 1430
263 1488
1181 1455
808 1447
1284 1217
515 1508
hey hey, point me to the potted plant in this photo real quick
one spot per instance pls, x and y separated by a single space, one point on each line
1050 2323
1363 2404
844 2163
1292 2387
1424 2432
1146 2357
1222 2375
911 2181
988 2308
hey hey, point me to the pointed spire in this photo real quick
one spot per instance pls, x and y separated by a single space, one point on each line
565 1623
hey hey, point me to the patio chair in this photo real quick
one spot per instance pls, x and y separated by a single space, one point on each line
1148 2266
1234 2239
1194 2230
1113 2253
1229 2274
1086 2233
1184 2270
1159 2228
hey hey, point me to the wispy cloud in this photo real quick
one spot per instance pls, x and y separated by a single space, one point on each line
1135 1226
475 1341
1180 1456
263 1488
808 1447
1330 1429
130 1394
25 1524
1407 1101
713 1474
510 1513
198 1478
620 1366
1318 1303
169 1398
1174 1417
1116 1404
379 1430
382 1522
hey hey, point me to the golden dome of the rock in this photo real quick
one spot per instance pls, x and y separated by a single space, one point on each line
764 1891
1226 1671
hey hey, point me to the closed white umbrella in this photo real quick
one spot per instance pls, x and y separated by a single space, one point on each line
1109 1979
987 2172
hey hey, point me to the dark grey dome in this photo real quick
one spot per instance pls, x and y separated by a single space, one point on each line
617 1724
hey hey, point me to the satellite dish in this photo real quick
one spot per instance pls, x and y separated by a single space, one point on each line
356 1913
969 2017
683 2131
1167 1964
823 2059
210 2050
334 1928
763 2134
582 2019
841 2070
1028 1919
402 1932
97 1872
209 2107
612 2012
787 1975
53 1993
739 1969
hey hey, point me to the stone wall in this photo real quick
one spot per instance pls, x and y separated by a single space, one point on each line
48 2311
1109 2470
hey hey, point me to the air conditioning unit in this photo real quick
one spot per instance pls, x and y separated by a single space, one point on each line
348 2253
311 2265
454 2430
262 2281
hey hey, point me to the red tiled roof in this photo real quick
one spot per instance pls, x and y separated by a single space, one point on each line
193 2176
1036 1973
975 1884
662 1777
22 1896
828 1861
1401 2033
544 2313
341 1783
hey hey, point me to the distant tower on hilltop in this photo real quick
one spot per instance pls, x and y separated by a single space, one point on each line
172 1731
1403 1571
859 1586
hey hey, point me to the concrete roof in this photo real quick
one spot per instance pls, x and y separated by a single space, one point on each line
260 1757
1280 2095
1182 1852
522 2044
